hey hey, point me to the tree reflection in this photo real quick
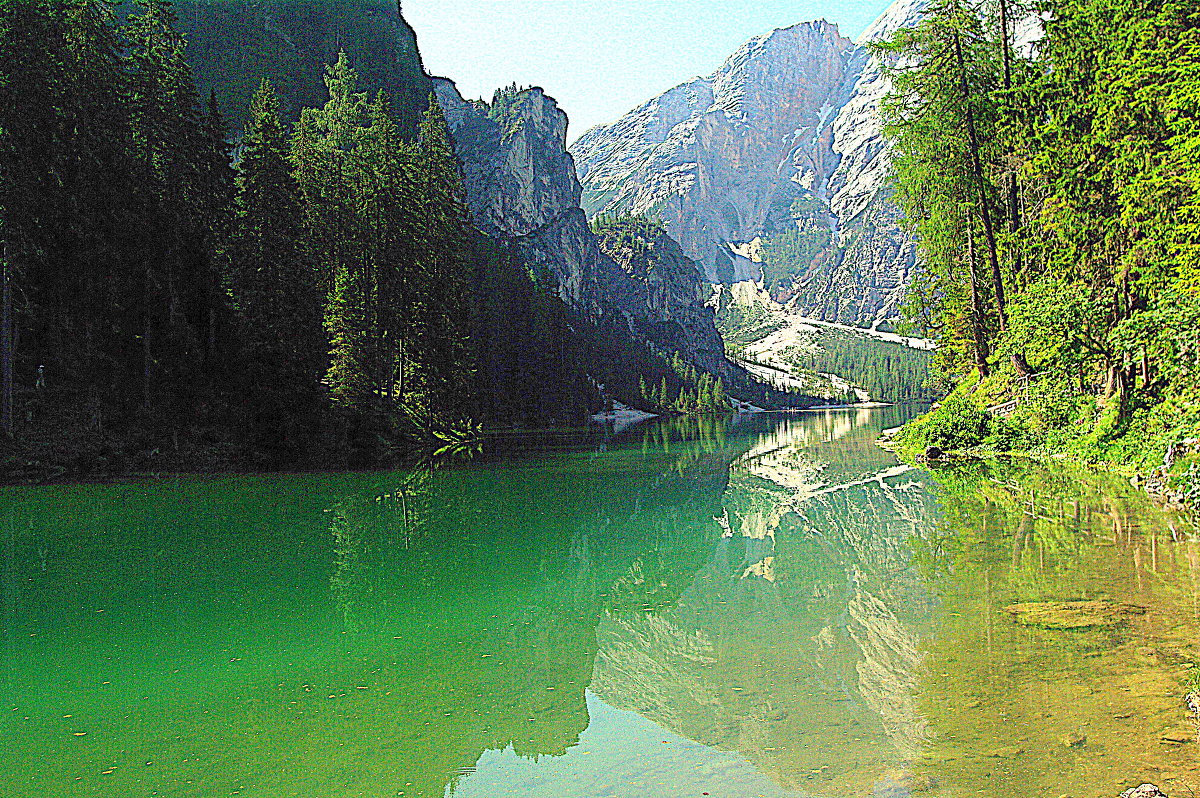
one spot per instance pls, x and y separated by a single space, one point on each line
1021 532
777 587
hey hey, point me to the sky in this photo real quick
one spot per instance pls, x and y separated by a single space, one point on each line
601 58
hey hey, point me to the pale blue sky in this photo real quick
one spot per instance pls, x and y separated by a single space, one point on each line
600 58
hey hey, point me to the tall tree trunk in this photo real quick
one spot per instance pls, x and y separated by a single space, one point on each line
6 342
1013 189
1011 186
985 211
146 360
212 331
977 311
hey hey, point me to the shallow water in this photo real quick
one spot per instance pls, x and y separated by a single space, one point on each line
771 606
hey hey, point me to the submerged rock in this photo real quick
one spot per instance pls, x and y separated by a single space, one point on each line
1177 736
1073 614
903 784
1075 740
1144 791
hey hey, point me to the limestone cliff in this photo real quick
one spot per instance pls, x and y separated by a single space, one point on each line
661 293
521 185
522 189
773 168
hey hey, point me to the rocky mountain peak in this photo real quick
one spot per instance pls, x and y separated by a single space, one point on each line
720 159
899 15
532 181
783 57
773 169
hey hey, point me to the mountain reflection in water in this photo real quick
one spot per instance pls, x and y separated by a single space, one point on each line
760 606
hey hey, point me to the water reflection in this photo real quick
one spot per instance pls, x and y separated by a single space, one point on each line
778 648
760 606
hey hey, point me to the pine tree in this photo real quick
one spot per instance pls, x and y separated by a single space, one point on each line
169 148
447 367
721 401
214 208
942 120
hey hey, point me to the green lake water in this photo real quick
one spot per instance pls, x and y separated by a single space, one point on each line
767 606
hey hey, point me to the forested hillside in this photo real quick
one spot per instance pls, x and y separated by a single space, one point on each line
1055 190
307 294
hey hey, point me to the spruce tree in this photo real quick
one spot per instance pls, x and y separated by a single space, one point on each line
169 149
272 280
447 367
323 151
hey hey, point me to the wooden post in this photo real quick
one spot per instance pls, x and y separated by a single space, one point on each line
6 342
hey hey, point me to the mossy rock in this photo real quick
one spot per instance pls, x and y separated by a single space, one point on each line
1073 614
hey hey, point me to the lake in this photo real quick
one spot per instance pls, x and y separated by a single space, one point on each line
769 605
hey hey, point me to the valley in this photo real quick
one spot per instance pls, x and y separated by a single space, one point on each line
358 263
836 362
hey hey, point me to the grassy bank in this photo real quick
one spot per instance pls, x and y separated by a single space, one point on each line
1153 442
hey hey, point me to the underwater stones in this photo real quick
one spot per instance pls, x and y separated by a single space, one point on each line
1144 791
1075 740
916 783
902 784
1073 614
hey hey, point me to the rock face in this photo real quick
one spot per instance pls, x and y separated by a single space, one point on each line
234 44
783 144
662 294
522 190
521 185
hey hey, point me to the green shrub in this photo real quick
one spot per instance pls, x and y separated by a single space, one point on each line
956 425
1010 435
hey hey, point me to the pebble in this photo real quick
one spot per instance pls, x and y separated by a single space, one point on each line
1144 791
